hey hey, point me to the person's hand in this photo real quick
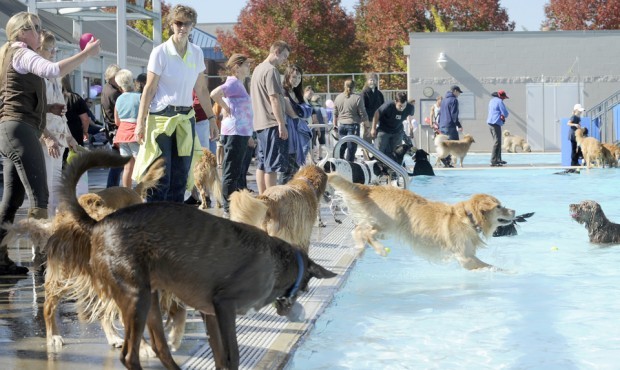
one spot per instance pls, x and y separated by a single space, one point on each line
460 129
373 132
93 47
57 109
251 143
139 132
283 132
215 132
501 116
53 147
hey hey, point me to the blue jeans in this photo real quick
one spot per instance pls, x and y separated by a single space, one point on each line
348 129
387 142
171 187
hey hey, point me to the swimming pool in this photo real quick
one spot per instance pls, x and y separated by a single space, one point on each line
555 308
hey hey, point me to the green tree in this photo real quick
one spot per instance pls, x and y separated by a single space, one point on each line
321 34
145 26
582 15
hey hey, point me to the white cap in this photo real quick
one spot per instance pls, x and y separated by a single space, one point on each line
579 108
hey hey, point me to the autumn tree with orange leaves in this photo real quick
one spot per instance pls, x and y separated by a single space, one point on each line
582 15
321 34
384 25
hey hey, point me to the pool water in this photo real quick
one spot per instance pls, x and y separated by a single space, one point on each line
555 307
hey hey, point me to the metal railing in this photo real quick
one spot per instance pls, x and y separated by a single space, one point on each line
378 155
603 112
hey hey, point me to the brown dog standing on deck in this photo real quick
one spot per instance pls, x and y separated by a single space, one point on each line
220 267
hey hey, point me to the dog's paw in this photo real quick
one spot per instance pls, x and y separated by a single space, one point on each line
55 342
322 224
146 350
116 341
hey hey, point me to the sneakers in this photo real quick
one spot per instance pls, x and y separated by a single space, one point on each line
497 164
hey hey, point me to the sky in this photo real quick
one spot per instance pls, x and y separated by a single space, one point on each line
527 14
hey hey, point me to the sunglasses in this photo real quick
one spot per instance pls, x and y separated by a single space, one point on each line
37 28
181 24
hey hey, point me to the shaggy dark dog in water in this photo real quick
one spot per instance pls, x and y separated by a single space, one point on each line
600 229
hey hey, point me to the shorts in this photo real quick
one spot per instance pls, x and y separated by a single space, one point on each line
129 149
272 151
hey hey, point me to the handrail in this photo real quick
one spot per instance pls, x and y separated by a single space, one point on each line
378 155
604 106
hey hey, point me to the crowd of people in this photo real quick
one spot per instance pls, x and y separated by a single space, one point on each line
160 113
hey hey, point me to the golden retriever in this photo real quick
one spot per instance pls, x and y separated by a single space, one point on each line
434 230
611 154
590 147
207 179
512 142
220 267
456 148
287 211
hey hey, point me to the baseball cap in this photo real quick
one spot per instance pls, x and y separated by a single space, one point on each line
579 108
502 94
237 59
456 88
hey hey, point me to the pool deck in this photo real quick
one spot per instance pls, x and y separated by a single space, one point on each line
266 341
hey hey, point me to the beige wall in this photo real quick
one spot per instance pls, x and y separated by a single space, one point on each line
483 62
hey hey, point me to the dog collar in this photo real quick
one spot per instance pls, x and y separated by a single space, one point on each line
307 180
471 219
300 275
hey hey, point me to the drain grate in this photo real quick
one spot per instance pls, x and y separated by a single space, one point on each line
266 339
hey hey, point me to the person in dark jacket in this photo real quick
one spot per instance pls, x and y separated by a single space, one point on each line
449 123
373 99
110 93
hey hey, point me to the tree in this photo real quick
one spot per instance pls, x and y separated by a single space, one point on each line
321 34
384 25
145 26
582 15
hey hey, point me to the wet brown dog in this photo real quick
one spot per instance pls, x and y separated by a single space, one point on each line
434 230
59 236
287 211
207 179
600 229
590 147
220 267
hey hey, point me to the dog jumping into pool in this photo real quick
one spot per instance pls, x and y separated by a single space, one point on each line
434 230
286 211
600 229
220 267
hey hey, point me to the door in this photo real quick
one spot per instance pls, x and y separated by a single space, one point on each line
546 104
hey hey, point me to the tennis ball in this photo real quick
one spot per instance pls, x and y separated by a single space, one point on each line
554 248
387 250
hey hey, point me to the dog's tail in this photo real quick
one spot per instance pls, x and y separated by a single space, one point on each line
151 177
345 186
247 209
72 173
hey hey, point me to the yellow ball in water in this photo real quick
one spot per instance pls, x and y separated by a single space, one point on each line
387 250
554 248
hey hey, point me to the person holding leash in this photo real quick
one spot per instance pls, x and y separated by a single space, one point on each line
496 119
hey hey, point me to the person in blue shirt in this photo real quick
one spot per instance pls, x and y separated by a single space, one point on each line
449 123
496 119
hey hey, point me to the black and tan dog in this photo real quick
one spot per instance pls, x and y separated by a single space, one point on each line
220 267
600 229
